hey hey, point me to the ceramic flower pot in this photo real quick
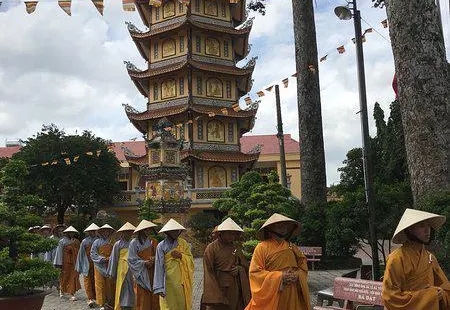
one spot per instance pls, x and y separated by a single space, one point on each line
32 301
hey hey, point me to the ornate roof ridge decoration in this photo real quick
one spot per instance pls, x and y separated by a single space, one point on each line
256 149
132 28
248 23
131 67
253 106
219 111
251 63
130 109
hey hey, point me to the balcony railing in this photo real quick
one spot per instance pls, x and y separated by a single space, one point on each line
206 195
127 198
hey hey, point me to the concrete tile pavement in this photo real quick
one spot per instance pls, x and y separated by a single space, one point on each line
317 280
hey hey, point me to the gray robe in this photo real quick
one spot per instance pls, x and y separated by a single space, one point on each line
50 255
59 253
126 298
136 264
100 262
159 280
82 264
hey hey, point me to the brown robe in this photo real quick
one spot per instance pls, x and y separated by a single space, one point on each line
222 290
70 278
89 282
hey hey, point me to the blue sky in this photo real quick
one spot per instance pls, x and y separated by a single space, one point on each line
69 71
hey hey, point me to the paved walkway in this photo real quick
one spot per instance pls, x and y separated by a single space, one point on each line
317 281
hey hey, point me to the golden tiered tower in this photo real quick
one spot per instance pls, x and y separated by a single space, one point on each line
192 80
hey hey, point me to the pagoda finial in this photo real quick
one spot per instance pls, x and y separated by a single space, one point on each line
248 23
129 108
131 66
132 28
251 63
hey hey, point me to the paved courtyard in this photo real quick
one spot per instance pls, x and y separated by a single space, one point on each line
317 280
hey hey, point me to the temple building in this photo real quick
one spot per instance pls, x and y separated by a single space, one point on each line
193 86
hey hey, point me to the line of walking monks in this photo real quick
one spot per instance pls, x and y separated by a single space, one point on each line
138 273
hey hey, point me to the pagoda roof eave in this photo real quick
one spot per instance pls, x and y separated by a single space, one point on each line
140 10
137 160
231 157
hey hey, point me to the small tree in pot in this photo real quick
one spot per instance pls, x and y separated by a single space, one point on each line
21 275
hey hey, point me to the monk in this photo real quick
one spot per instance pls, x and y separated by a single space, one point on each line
85 265
65 258
174 269
100 252
118 269
278 270
413 278
225 281
49 256
141 261
45 231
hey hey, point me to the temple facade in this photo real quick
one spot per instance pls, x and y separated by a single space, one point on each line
193 87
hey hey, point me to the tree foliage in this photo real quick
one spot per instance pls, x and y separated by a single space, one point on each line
202 225
84 186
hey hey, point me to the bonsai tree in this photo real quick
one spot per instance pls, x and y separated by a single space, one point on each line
21 274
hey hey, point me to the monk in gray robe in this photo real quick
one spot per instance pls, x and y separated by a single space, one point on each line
118 269
225 276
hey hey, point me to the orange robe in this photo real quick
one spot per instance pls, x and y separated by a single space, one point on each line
104 286
410 280
89 281
145 299
270 259
69 277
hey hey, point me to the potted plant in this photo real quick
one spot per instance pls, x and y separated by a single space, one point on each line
21 275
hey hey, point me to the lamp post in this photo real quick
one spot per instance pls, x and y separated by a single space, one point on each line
346 13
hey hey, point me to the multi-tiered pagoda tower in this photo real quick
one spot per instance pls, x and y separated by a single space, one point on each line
192 80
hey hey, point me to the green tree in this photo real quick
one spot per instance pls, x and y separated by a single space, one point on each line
147 210
85 185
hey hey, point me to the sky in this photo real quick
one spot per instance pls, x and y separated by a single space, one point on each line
68 70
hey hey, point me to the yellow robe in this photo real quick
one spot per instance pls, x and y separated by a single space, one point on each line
122 269
104 286
69 277
269 260
179 278
410 280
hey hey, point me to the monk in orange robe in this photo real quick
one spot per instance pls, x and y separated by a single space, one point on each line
278 270
413 278
65 258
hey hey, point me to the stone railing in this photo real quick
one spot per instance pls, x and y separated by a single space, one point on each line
206 195
127 198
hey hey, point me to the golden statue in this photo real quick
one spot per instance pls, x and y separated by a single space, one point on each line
215 131
168 89
217 177
212 47
169 9
211 7
168 48
214 88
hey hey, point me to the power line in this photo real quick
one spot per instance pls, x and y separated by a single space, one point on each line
367 23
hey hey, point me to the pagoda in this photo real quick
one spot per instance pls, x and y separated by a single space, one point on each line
192 82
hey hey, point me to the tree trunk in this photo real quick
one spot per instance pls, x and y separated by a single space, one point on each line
423 91
312 158
61 212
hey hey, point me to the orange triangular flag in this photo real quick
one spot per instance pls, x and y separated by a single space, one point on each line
236 107
155 2
67 160
30 6
269 88
323 58
89 153
211 114
65 5
368 30
75 158
98 5
55 162
285 82
295 74
128 5
260 93
98 153
384 23
341 49
248 100
45 163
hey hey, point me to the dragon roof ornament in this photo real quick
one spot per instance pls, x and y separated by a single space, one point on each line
131 67
130 109
132 28
248 23
251 63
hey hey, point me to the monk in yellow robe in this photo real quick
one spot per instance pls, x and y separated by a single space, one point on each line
225 271
141 261
278 270
100 252
65 258
174 269
413 279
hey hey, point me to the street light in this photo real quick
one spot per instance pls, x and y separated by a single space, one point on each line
346 13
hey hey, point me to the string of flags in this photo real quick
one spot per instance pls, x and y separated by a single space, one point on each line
340 50
71 159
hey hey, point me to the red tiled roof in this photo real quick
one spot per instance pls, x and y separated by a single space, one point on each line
137 147
232 157
8 152
269 144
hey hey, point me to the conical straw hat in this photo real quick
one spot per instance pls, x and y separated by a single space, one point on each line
34 228
45 227
411 217
70 229
127 227
106 226
229 225
171 225
92 227
277 218
144 224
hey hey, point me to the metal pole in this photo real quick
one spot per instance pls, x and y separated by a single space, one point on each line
280 137
367 156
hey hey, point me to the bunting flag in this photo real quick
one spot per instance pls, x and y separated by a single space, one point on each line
236 107
67 160
89 153
55 162
285 82
179 125
75 159
155 2
312 68
30 6
248 100
211 114
341 49
45 163
190 121
224 111
295 74
234 1
260 93
65 5
98 153
269 88
128 5
384 23
363 39
323 58
98 5
368 30
185 2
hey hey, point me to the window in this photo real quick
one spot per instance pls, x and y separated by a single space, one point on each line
211 7
212 47
168 89
199 85
197 5
155 91
230 132
181 86
226 49
123 185
199 178
200 130
182 131
181 7
228 89
168 48
181 38
157 13
169 9
198 44
214 88
155 50
234 175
